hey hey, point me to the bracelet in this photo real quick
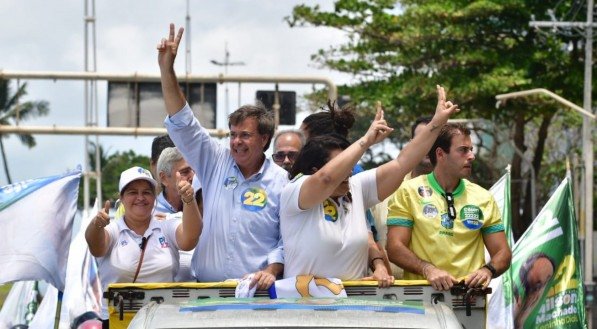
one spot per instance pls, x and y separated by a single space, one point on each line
373 260
183 200
491 269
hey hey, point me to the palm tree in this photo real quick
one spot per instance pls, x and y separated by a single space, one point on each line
12 112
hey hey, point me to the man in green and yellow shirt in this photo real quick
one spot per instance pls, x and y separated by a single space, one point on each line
439 224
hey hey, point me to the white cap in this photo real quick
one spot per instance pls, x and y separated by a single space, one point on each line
133 174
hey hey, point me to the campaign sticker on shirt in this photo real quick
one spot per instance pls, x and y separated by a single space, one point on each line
253 199
429 210
163 242
425 191
446 221
230 183
330 212
471 216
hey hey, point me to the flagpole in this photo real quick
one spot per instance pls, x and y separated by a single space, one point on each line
58 310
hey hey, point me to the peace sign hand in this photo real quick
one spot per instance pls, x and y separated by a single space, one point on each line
379 128
168 48
444 109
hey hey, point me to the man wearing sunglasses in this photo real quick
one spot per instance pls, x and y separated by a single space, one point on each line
287 145
439 224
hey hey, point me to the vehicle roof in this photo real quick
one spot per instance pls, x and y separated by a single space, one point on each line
304 313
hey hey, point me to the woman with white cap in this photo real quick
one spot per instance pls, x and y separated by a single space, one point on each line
137 247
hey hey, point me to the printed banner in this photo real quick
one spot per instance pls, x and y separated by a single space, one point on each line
547 282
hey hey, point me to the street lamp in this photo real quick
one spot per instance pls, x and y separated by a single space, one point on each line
225 64
587 147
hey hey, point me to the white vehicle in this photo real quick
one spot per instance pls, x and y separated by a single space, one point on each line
407 304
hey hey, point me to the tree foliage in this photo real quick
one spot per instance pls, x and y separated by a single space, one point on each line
13 111
399 50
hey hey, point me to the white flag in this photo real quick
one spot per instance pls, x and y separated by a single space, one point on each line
20 304
46 313
498 315
83 290
36 219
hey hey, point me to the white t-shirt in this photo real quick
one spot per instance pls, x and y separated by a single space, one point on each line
160 261
330 239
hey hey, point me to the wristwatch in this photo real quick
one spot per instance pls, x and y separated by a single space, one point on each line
491 269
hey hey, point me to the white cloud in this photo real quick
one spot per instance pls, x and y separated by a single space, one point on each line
42 37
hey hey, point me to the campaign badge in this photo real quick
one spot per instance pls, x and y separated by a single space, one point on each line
424 191
330 212
163 242
230 183
429 211
471 217
253 199
446 221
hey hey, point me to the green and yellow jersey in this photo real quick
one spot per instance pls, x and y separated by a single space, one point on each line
454 245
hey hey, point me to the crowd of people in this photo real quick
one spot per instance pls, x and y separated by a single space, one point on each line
311 209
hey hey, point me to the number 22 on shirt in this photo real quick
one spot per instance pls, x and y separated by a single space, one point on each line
253 199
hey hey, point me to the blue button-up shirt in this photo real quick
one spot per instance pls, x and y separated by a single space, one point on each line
241 222
163 206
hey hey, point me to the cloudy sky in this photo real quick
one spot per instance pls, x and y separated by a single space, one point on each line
38 36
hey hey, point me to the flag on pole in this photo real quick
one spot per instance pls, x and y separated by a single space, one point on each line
83 291
547 281
36 218
499 316
46 313
20 304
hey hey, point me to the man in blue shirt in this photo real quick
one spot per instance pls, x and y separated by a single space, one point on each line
241 187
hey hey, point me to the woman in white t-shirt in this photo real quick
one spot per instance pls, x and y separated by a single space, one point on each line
322 209
138 247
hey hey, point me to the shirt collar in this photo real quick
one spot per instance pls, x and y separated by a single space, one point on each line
435 185
153 224
161 200
256 176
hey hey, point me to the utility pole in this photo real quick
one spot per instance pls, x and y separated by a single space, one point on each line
225 64
91 107
188 40
587 136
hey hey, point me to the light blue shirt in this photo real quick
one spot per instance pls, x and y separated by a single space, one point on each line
241 222
163 206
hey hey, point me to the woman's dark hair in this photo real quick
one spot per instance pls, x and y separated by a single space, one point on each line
89 315
333 120
316 153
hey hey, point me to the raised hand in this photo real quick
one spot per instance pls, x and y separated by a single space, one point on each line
102 219
379 129
444 109
168 48
185 190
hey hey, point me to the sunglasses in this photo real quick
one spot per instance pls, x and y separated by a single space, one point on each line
280 156
451 209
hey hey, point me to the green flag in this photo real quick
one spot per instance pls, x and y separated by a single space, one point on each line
547 283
